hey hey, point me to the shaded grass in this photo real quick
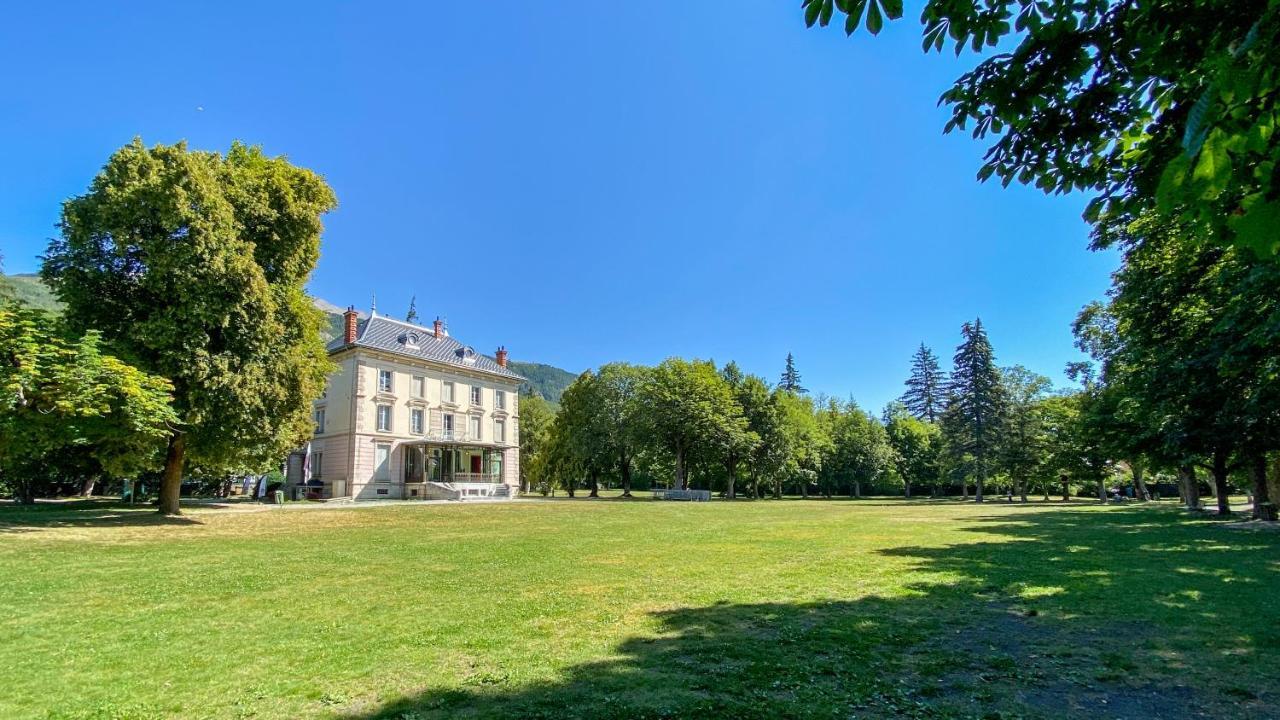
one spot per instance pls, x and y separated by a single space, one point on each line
639 609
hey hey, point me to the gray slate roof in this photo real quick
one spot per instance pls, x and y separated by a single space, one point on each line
402 338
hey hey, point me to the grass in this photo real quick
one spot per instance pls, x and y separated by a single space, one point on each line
580 608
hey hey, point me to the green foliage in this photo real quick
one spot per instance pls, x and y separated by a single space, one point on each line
916 446
686 407
790 381
66 405
926 387
1023 441
194 265
536 417
1160 105
976 400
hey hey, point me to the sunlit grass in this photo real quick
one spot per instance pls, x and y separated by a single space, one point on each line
583 608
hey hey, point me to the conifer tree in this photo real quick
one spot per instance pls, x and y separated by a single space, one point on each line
790 380
926 388
412 315
977 398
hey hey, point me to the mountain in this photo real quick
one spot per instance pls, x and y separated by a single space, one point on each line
546 380
29 289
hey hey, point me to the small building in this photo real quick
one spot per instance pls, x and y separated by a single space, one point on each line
413 413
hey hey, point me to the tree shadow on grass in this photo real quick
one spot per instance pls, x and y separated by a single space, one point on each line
82 513
1127 613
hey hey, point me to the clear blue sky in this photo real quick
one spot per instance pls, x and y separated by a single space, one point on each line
581 181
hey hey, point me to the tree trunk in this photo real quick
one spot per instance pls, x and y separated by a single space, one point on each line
1263 506
982 479
624 470
964 488
731 465
906 487
1021 488
681 482
171 478
593 478
1190 487
857 489
1220 482
804 488
1066 487
1102 490
86 488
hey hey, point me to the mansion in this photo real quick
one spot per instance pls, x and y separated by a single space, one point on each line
413 413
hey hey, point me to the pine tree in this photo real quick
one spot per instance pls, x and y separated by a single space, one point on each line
977 397
926 388
412 315
790 380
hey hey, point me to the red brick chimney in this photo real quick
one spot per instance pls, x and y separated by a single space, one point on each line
349 325
501 356
438 327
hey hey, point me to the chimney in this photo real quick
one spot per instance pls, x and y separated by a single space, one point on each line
501 355
438 328
349 325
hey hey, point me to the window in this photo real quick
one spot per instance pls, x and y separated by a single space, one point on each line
500 399
319 421
475 395
384 418
474 427
419 386
446 421
446 392
500 430
415 421
382 463
317 465
384 381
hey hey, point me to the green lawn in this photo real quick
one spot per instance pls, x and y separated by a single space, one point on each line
580 608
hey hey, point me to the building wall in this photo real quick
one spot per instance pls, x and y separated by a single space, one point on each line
351 402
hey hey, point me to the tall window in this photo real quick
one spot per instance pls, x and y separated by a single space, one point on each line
446 423
475 394
319 421
317 465
415 421
500 430
500 399
474 428
384 381
382 463
446 392
384 418
419 386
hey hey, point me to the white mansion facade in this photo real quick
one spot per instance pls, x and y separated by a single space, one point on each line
413 413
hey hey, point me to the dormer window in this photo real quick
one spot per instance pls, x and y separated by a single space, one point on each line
466 355
411 340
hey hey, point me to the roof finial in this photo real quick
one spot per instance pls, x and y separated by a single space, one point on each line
373 304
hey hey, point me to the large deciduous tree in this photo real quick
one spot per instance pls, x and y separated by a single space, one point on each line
1162 104
686 406
1022 442
193 264
535 420
915 447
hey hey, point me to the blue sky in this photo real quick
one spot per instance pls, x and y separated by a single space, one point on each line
582 181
